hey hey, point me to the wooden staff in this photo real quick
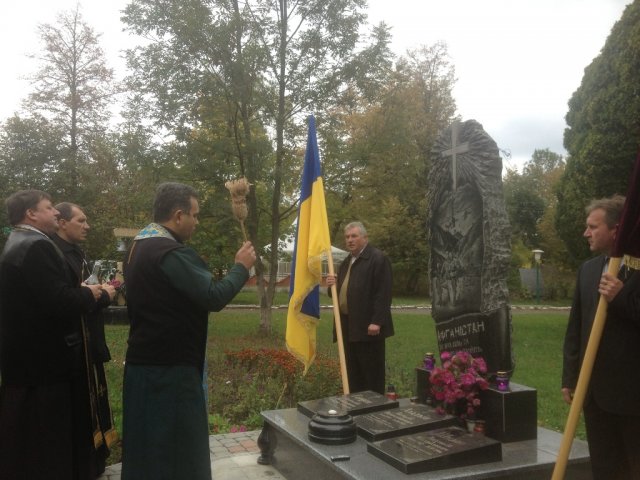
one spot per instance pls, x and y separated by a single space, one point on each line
336 316
583 378
239 189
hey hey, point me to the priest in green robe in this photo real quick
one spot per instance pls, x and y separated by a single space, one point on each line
170 293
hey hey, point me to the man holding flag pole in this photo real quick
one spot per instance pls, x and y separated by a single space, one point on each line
311 244
603 344
364 286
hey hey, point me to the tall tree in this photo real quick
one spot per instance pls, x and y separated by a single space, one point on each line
530 194
385 156
71 88
603 133
252 71
531 202
525 207
30 152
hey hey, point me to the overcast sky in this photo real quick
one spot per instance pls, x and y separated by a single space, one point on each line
517 61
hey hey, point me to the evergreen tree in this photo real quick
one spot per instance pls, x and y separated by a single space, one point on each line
603 133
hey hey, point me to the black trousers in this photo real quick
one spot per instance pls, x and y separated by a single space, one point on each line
614 443
366 365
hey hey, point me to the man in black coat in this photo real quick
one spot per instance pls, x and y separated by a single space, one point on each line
72 230
44 421
364 293
612 404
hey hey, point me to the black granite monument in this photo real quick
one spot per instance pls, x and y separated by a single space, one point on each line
470 250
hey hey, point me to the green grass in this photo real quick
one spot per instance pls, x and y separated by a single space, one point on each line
537 339
250 297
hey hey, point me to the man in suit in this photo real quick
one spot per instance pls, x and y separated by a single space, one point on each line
364 292
612 404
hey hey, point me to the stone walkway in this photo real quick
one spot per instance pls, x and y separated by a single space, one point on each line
233 457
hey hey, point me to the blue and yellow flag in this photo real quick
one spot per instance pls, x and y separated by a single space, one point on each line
311 244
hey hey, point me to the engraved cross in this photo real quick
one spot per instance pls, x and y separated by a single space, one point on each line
454 150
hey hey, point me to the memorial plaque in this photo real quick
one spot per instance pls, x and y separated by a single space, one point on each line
445 448
401 421
352 404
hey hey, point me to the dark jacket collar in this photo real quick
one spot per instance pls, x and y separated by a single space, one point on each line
65 246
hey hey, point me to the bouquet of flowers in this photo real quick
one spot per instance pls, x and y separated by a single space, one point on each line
456 385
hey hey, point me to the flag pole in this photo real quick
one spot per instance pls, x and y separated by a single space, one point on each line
336 316
584 378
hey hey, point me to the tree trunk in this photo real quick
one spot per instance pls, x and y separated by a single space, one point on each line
267 301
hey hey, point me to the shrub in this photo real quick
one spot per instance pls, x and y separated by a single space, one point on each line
254 380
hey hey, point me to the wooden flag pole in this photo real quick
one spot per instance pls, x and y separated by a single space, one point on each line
336 316
584 378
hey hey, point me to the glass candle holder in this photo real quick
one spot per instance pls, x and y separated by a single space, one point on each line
391 392
502 381
429 361
479 428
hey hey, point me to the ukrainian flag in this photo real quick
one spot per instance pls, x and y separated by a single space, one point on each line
311 244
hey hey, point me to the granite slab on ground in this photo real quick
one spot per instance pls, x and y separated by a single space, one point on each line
295 457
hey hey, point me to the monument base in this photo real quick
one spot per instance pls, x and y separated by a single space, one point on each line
423 385
510 416
294 456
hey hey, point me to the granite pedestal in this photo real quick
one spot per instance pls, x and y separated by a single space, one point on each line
290 451
423 386
510 416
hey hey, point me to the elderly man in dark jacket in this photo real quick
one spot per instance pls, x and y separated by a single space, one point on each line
364 294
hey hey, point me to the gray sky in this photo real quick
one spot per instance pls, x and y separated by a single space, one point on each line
517 61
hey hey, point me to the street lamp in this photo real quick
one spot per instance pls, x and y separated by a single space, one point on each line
537 255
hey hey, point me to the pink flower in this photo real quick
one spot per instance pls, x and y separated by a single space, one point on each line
462 358
450 397
459 379
467 379
480 364
448 378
